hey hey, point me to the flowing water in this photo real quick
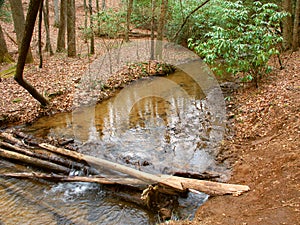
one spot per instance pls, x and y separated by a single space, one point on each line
167 125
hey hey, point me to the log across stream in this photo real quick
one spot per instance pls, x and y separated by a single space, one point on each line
58 162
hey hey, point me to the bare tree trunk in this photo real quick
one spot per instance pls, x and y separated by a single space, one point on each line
287 25
160 28
98 21
19 24
71 35
48 46
128 19
85 20
40 34
162 19
56 13
295 43
61 38
92 28
152 29
4 55
25 44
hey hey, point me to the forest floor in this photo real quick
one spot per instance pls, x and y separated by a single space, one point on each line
264 151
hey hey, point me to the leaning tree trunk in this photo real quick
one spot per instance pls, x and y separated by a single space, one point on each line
295 43
25 44
71 35
61 38
19 24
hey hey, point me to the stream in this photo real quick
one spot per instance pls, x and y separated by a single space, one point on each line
168 125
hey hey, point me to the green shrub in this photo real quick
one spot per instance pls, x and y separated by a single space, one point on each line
112 23
142 14
241 38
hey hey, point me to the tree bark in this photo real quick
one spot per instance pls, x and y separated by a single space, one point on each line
48 47
55 159
160 28
295 43
128 19
33 161
162 19
40 34
19 25
61 38
85 20
90 179
287 31
153 6
56 13
71 35
98 21
25 44
92 50
4 55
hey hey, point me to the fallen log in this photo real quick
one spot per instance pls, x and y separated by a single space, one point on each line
127 189
90 179
180 184
49 157
11 138
33 161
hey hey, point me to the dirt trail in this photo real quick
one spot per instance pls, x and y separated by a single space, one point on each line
265 154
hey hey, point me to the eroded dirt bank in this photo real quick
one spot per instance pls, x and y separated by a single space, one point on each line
264 153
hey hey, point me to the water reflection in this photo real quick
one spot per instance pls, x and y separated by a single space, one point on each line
159 125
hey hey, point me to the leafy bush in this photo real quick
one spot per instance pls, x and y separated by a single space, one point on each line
178 11
112 23
241 38
142 14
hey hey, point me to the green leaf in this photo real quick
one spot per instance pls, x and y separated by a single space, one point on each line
16 100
